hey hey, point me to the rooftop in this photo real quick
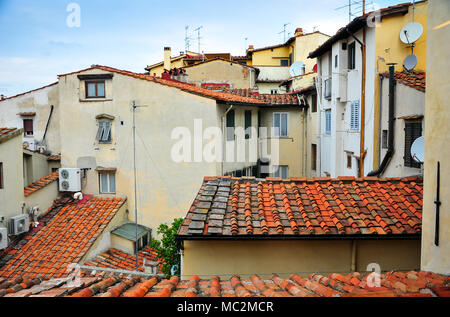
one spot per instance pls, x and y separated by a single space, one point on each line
40 183
300 208
273 99
71 230
416 80
392 284
7 133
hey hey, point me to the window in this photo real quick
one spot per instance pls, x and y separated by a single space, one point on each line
281 171
328 121
28 127
1 175
274 91
384 139
314 103
327 89
280 123
104 131
284 62
95 89
413 130
351 56
349 160
354 115
248 124
313 157
107 183
335 61
230 125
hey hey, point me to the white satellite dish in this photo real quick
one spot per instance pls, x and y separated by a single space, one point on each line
410 62
418 150
296 69
411 32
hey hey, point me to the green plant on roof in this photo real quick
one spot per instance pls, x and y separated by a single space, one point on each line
167 247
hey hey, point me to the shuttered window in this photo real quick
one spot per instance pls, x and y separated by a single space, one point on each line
313 157
248 124
28 127
230 125
413 130
327 121
104 131
354 115
314 103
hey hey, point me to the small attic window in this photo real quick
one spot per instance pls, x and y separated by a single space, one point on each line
95 89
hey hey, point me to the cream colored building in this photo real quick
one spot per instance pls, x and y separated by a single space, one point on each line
436 252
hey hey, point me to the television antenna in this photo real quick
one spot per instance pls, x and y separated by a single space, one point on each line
418 150
284 31
187 39
198 36
134 106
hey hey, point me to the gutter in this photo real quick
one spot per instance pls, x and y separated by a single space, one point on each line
390 153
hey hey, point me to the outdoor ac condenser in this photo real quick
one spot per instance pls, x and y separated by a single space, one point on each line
19 224
3 238
69 179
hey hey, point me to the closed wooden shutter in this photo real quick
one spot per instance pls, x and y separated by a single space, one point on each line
413 130
313 157
28 126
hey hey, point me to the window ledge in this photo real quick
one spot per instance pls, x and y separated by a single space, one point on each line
95 100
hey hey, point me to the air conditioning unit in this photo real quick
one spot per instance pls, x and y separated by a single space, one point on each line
19 224
3 238
29 145
69 179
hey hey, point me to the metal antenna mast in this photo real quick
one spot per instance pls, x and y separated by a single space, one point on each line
284 31
134 106
198 36
186 39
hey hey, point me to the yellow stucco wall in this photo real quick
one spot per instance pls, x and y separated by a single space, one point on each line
306 44
389 47
165 188
437 132
220 71
271 56
225 258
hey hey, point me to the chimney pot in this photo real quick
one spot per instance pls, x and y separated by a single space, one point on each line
167 53
298 32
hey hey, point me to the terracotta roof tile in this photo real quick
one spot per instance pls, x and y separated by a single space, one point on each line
392 284
54 158
6 131
298 207
40 183
273 99
416 80
65 239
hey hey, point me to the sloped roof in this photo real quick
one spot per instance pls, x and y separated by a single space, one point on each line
273 99
392 284
40 183
116 259
416 80
301 208
217 95
65 239
27 92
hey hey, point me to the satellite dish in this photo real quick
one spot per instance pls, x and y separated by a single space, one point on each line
411 32
410 62
296 69
417 150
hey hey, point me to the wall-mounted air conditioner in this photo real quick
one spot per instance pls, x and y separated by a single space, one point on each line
3 238
29 145
19 224
69 179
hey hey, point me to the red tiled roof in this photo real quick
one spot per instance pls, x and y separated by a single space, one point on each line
40 183
273 99
217 95
27 114
392 284
302 208
414 80
5 131
116 259
64 240
54 158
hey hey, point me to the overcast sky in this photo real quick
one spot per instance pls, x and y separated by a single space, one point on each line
37 44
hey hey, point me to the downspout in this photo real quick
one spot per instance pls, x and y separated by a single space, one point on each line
48 122
380 115
363 98
224 137
390 151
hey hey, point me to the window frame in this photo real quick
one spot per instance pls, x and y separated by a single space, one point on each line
284 61
280 135
248 123
96 82
2 184
408 161
354 115
25 131
328 122
314 103
230 134
313 156
349 160
101 131
109 174
279 172
351 55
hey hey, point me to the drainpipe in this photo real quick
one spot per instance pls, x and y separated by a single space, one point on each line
224 137
390 151
380 115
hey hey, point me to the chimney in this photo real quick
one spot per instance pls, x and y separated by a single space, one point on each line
167 52
298 32
2 97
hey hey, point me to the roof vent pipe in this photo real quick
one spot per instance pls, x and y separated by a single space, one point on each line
390 152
